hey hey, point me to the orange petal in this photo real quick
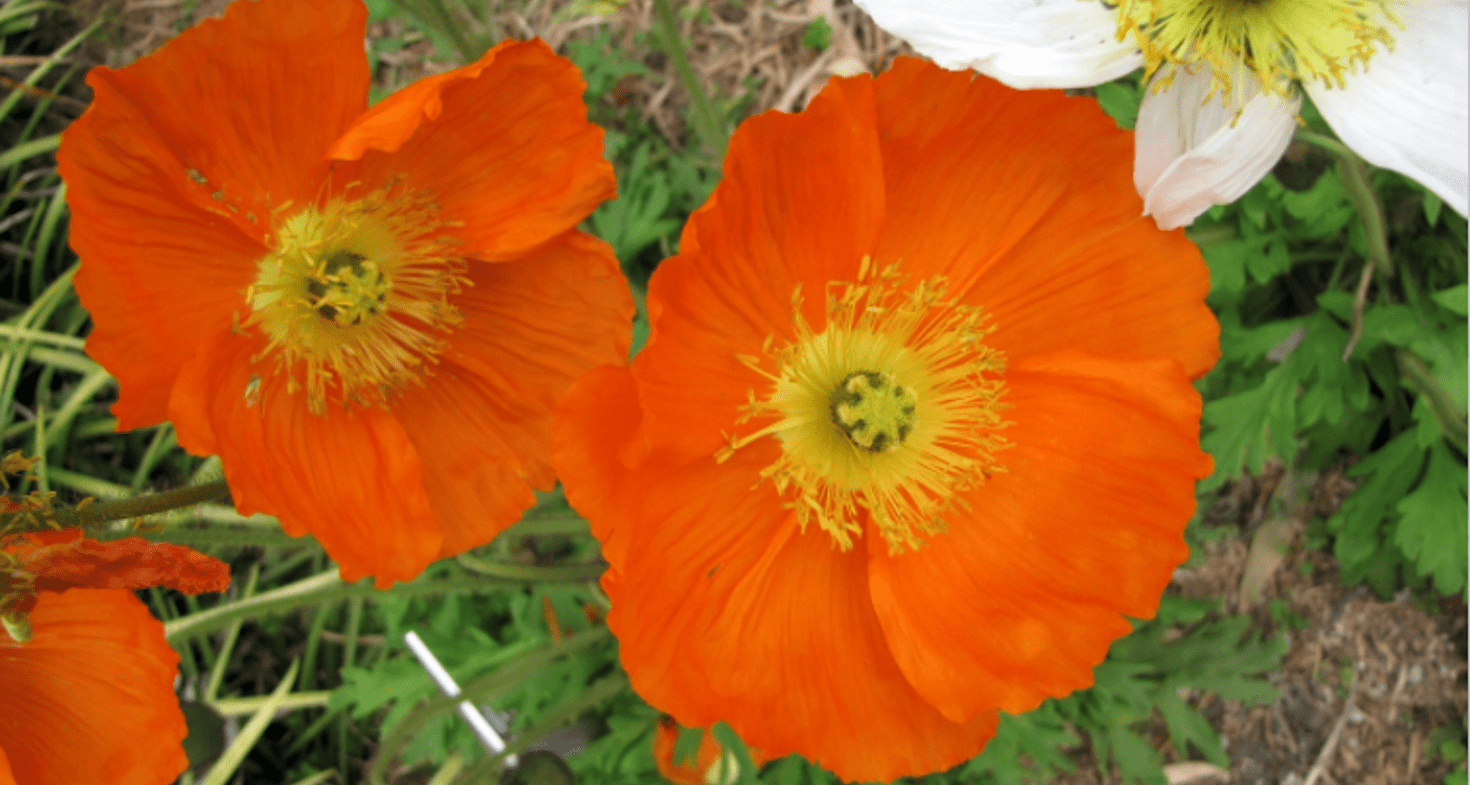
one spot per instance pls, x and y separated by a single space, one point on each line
800 202
90 697
482 422
503 143
129 563
1024 199
594 421
251 102
350 477
1084 526
173 170
7 777
725 612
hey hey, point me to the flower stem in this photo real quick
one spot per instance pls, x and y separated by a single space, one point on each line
317 590
1449 414
532 573
93 515
1353 172
708 125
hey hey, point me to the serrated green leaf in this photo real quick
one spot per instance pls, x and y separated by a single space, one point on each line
1267 260
1187 727
1136 760
1252 426
1432 530
818 35
1026 748
1388 474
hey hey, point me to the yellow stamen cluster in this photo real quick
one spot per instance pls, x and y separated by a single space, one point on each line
1281 41
354 297
888 413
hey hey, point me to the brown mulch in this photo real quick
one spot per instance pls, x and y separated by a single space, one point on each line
1366 683
741 50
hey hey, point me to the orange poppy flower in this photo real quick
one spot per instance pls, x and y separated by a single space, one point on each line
89 698
913 432
711 765
368 314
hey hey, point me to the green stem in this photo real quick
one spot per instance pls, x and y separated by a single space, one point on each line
1449 414
102 512
1323 141
533 573
239 707
708 125
1353 172
225 535
1211 235
316 590
551 523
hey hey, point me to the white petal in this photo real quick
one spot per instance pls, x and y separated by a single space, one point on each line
1023 43
1408 111
1191 153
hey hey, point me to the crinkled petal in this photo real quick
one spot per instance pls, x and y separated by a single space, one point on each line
1059 257
503 144
349 477
129 563
1407 111
1083 527
1023 43
724 611
800 203
89 698
482 422
173 170
1195 150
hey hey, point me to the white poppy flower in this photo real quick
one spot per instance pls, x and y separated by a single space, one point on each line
1390 76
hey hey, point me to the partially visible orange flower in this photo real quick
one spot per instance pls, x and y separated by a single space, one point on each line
89 698
367 313
55 561
711 764
913 433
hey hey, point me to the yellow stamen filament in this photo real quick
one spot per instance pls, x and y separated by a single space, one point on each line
354 297
1281 41
887 414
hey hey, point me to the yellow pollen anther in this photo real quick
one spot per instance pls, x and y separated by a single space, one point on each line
1281 41
886 415
354 297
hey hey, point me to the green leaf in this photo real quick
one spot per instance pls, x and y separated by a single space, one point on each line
1432 531
1187 727
1452 299
1227 265
1249 427
818 35
1361 545
1432 205
1026 748
1268 260
1120 100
